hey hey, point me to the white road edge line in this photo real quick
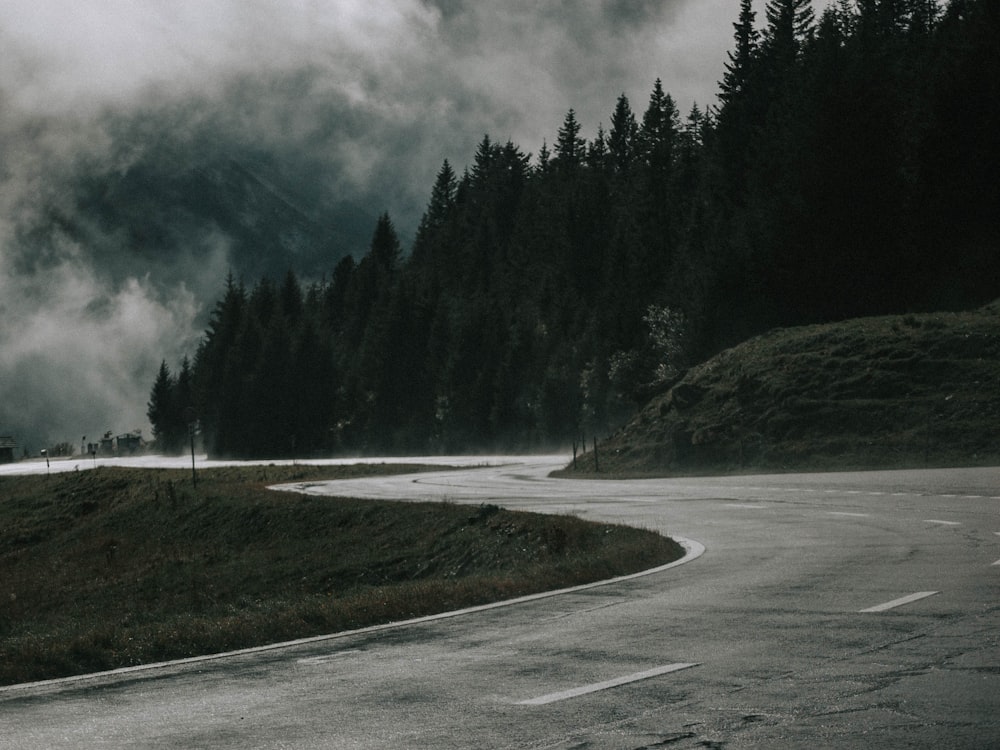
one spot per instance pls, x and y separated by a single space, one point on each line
597 686
692 551
899 602
845 513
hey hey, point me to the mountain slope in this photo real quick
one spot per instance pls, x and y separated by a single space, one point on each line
893 391
160 209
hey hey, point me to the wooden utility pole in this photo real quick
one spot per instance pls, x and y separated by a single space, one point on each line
191 416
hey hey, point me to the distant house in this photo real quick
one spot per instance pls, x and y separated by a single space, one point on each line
107 446
7 448
129 444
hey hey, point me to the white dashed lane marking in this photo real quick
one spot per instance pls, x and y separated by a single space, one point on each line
870 493
316 660
942 523
899 602
596 686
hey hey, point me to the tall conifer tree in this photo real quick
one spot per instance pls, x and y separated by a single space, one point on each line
160 409
570 146
789 24
622 138
738 68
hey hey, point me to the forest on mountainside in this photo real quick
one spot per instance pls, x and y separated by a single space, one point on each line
848 168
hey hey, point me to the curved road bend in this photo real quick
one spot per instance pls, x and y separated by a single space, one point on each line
828 610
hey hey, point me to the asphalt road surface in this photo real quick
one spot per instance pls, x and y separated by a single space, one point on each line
849 610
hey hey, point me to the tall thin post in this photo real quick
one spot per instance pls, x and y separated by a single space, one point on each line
597 465
191 416
194 477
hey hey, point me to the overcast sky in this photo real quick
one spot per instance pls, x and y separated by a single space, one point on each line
528 60
356 97
410 82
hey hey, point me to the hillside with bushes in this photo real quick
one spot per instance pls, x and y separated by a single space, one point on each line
883 392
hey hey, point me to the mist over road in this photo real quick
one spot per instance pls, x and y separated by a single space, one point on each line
837 610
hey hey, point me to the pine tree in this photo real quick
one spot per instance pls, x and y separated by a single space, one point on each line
184 404
312 385
263 302
658 132
214 385
161 410
739 67
290 297
184 389
790 23
335 297
482 161
570 146
270 398
597 152
427 243
623 135
370 283
657 141
921 16
544 158
385 250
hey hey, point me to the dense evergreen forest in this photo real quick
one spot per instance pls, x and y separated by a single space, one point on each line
848 168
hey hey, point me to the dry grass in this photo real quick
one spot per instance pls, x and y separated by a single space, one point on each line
116 567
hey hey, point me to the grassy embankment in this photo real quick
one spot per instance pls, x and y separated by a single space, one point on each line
114 567
883 392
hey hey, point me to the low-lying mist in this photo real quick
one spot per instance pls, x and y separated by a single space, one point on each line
149 153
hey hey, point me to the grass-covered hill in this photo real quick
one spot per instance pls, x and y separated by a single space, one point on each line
894 391
115 567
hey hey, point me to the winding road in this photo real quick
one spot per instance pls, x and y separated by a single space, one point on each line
815 610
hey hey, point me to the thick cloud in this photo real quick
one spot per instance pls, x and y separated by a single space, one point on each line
144 145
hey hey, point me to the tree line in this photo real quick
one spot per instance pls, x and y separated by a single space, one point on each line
848 168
